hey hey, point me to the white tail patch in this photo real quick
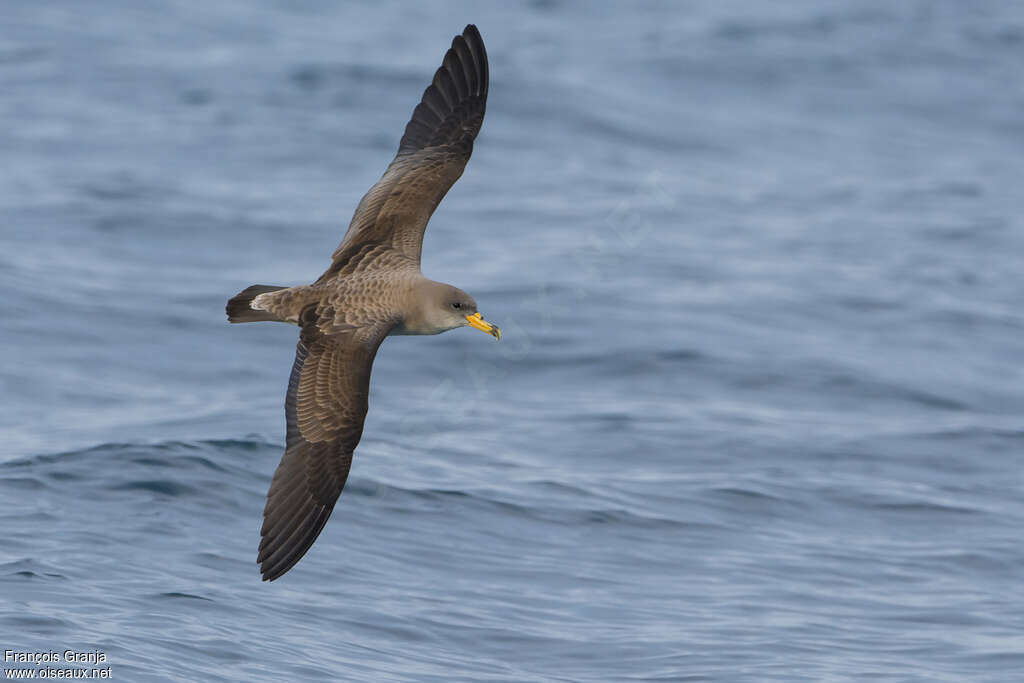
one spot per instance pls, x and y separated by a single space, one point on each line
255 303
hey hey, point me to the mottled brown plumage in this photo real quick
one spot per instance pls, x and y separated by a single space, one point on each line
373 288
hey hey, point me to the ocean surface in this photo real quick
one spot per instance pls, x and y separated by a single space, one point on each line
758 413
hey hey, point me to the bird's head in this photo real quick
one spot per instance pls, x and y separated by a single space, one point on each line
448 307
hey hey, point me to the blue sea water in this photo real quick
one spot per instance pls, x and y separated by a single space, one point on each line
758 413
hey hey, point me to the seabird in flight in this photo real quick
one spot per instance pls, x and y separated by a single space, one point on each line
373 288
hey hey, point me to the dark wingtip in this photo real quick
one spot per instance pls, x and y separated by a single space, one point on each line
476 44
288 533
452 107
267 575
286 554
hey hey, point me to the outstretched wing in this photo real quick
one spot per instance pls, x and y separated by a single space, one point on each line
325 409
438 141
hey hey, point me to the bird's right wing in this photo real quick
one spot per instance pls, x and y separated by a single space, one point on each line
392 217
325 408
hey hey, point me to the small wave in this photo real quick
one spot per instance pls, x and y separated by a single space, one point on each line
164 487
30 623
749 494
869 387
28 574
904 506
924 507
313 77
23 483
173 469
817 26
174 595
869 304
414 500
23 55
30 569
973 432
154 454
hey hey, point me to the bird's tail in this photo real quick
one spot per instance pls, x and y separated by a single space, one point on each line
240 308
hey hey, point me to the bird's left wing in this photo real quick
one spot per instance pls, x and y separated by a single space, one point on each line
325 408
392 217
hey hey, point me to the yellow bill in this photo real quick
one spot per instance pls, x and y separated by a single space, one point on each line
477 321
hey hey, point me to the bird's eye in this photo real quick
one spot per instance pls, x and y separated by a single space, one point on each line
456 305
